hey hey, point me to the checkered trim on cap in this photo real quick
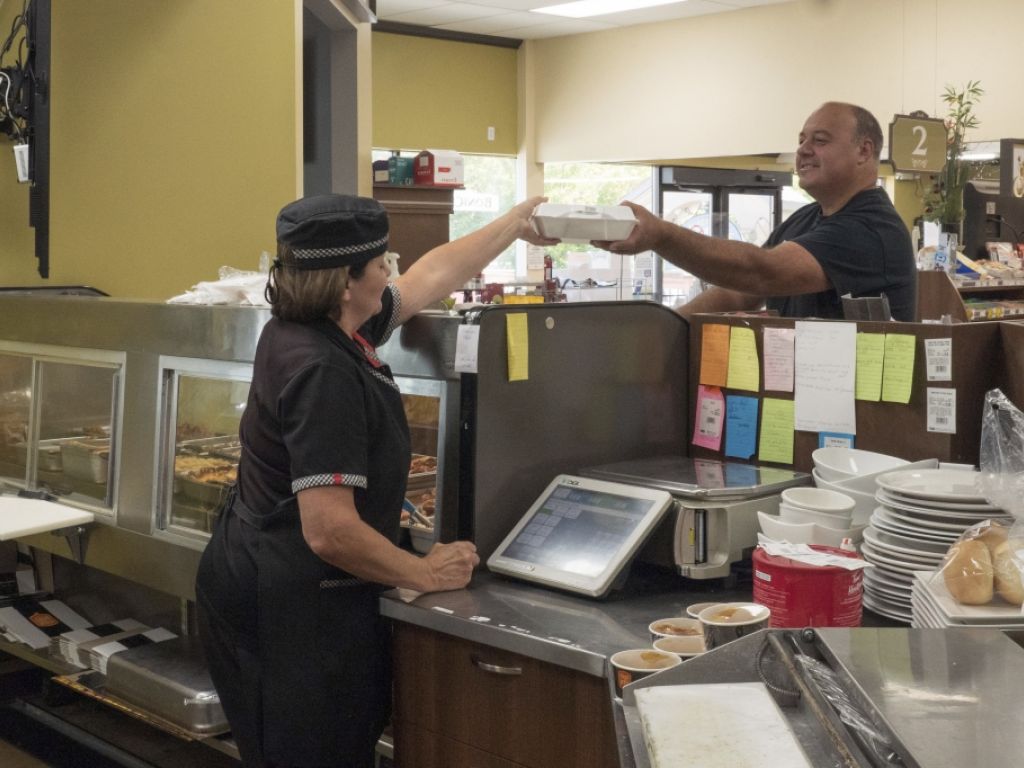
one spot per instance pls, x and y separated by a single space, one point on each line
343 250
319 481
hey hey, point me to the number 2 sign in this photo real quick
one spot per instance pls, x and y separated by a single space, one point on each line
917 144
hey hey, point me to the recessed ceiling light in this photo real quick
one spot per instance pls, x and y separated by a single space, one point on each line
585 8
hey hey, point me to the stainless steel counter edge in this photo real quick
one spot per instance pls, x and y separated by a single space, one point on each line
502 636
571 631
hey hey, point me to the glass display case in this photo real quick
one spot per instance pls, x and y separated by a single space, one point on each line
58 424
425 408
203 403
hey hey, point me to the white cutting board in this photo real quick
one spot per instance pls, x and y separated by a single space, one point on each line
23 517
727 725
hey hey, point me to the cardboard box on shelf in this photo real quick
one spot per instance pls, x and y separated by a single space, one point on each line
400 169
440 168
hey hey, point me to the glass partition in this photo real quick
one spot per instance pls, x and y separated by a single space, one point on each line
15 408
204 410
77 407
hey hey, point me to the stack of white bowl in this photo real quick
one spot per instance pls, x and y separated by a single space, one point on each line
854 472
812 516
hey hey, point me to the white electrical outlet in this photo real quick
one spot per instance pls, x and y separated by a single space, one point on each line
490 133
21 161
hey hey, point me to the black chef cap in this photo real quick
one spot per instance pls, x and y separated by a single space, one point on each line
325 231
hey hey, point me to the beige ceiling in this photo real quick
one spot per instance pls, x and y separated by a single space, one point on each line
513 19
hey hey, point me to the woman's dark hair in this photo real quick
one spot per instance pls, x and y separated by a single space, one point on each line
306 295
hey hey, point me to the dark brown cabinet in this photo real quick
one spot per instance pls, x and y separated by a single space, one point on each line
460 704
418 216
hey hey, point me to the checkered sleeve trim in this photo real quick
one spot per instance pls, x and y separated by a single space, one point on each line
319 481
396 310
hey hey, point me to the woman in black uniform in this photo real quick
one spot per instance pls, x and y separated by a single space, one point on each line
288 587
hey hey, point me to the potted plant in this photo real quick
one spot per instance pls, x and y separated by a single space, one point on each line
944 203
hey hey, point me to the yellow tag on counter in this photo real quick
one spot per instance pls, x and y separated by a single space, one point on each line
518 346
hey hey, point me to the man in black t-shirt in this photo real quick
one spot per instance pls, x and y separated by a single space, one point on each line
850 241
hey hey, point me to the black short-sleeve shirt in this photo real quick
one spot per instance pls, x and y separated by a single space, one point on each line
865 250
323 410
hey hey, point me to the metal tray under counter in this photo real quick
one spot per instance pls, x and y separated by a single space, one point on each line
169 679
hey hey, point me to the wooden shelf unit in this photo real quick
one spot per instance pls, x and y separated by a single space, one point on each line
938 294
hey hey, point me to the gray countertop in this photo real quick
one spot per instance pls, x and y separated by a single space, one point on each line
571 631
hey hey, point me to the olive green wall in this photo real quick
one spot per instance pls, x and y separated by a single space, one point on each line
173 143
443 95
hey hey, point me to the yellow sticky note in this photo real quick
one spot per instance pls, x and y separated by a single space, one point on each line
870 353
744 368
714 354
517 341
776 442
898 368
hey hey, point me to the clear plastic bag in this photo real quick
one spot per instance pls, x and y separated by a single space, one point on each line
987 563
233 286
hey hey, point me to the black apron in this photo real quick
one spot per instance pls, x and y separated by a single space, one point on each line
313 687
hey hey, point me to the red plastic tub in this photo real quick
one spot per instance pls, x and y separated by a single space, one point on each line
801 595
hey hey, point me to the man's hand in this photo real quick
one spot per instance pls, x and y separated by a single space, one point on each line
644 237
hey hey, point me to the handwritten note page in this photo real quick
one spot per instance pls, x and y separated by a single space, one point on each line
778 359
870 353
740 426
744 368
714 354
776 431
898 370
826 358
517 346
710 418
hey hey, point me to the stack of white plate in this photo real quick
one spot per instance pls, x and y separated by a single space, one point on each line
935 608
921 513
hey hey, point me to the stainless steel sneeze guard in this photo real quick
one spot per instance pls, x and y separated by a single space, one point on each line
933 698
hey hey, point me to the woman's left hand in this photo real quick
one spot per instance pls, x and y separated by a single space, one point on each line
523 214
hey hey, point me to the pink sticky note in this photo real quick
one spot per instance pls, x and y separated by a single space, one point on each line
709 418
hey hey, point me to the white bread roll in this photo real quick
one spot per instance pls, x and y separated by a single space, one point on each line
968 572
993 535
1007 572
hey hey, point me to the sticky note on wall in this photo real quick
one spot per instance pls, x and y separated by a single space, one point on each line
898 368
714 354
517 340
744 368
776 431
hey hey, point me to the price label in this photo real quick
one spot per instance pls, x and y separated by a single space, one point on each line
917 144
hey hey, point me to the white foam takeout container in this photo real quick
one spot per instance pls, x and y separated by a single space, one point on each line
574 223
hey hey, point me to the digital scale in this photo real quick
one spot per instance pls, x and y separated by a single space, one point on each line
580 534
583 531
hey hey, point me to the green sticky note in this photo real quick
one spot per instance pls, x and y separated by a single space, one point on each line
870 354
744 368
776 431
898 368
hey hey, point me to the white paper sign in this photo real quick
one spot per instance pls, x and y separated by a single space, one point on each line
778 359
466 345
535 257
825 377
939 359
942 410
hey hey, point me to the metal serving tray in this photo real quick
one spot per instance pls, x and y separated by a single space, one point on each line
169 679
86 459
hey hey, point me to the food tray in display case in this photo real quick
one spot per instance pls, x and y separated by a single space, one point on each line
422 473
204 479
48 458
86 459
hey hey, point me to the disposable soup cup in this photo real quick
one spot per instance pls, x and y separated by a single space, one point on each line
725 622
675 626
630 666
